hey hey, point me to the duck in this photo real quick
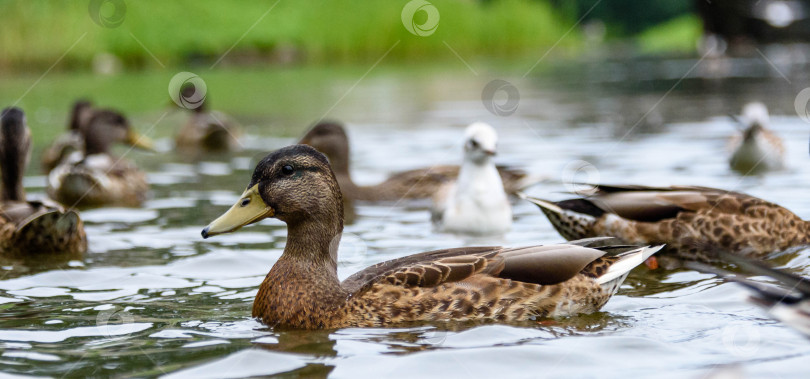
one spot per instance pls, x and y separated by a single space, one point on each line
296 185
476 202
682 217
31 228
71 141
94 178
789 302
329 137
207 131
757 150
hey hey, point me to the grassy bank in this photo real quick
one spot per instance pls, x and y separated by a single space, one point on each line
35 34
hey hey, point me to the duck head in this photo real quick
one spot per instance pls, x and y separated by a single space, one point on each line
480 143
294 184
15 152
755 116
107 127
329 137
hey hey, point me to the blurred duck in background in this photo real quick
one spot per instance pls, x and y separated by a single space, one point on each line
94 178
207 131
329 137
71 141
30 228
757 150
476 203
788 302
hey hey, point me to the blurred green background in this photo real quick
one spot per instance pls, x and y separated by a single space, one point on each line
275 63
36 34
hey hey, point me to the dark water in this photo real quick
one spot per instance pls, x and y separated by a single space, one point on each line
152 298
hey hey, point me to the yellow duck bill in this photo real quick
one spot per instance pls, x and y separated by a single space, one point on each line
249 209
140 141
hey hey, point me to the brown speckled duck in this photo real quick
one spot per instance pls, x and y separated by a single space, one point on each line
71 141
330 138
683 218
30 228
95 178
296 185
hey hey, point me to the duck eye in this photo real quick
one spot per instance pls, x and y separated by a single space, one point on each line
473 144
245 202
287 170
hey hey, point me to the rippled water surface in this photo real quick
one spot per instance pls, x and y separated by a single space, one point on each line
152 298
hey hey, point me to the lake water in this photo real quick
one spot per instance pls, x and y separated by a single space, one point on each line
152 298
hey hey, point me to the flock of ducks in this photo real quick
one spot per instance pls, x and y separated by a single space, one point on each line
611 228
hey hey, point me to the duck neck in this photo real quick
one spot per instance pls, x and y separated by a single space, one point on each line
478 176
96 142
314 242
12 181
302 289
12 166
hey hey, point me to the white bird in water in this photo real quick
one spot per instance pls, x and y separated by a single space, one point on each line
476 203
758 149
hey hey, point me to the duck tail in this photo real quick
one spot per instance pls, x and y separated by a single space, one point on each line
566 217
617 272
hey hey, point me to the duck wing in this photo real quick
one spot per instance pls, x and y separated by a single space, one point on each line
650 204
542 264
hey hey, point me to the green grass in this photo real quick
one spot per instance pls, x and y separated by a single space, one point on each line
35 34
678 35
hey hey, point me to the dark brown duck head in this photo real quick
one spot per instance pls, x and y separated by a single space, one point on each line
15 151
107 127
329 137
80 115
752 131
295 185
189 91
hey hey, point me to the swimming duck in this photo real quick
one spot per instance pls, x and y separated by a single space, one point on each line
758 149
71 141
789 303
330 138
681 217
475 203
207 131
30 228
95 178
296 185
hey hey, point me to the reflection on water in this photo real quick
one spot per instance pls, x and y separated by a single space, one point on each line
153 298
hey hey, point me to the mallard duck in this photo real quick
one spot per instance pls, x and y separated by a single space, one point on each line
95 178
71 141
758 149
475 203
296 185
207 131
789 304
30 228
680 217
330 138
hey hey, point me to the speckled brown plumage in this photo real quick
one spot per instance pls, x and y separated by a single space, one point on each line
330 138
295 185
683 218
96 178
29 229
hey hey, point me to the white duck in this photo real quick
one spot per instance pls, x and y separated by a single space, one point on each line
476 203
758 149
